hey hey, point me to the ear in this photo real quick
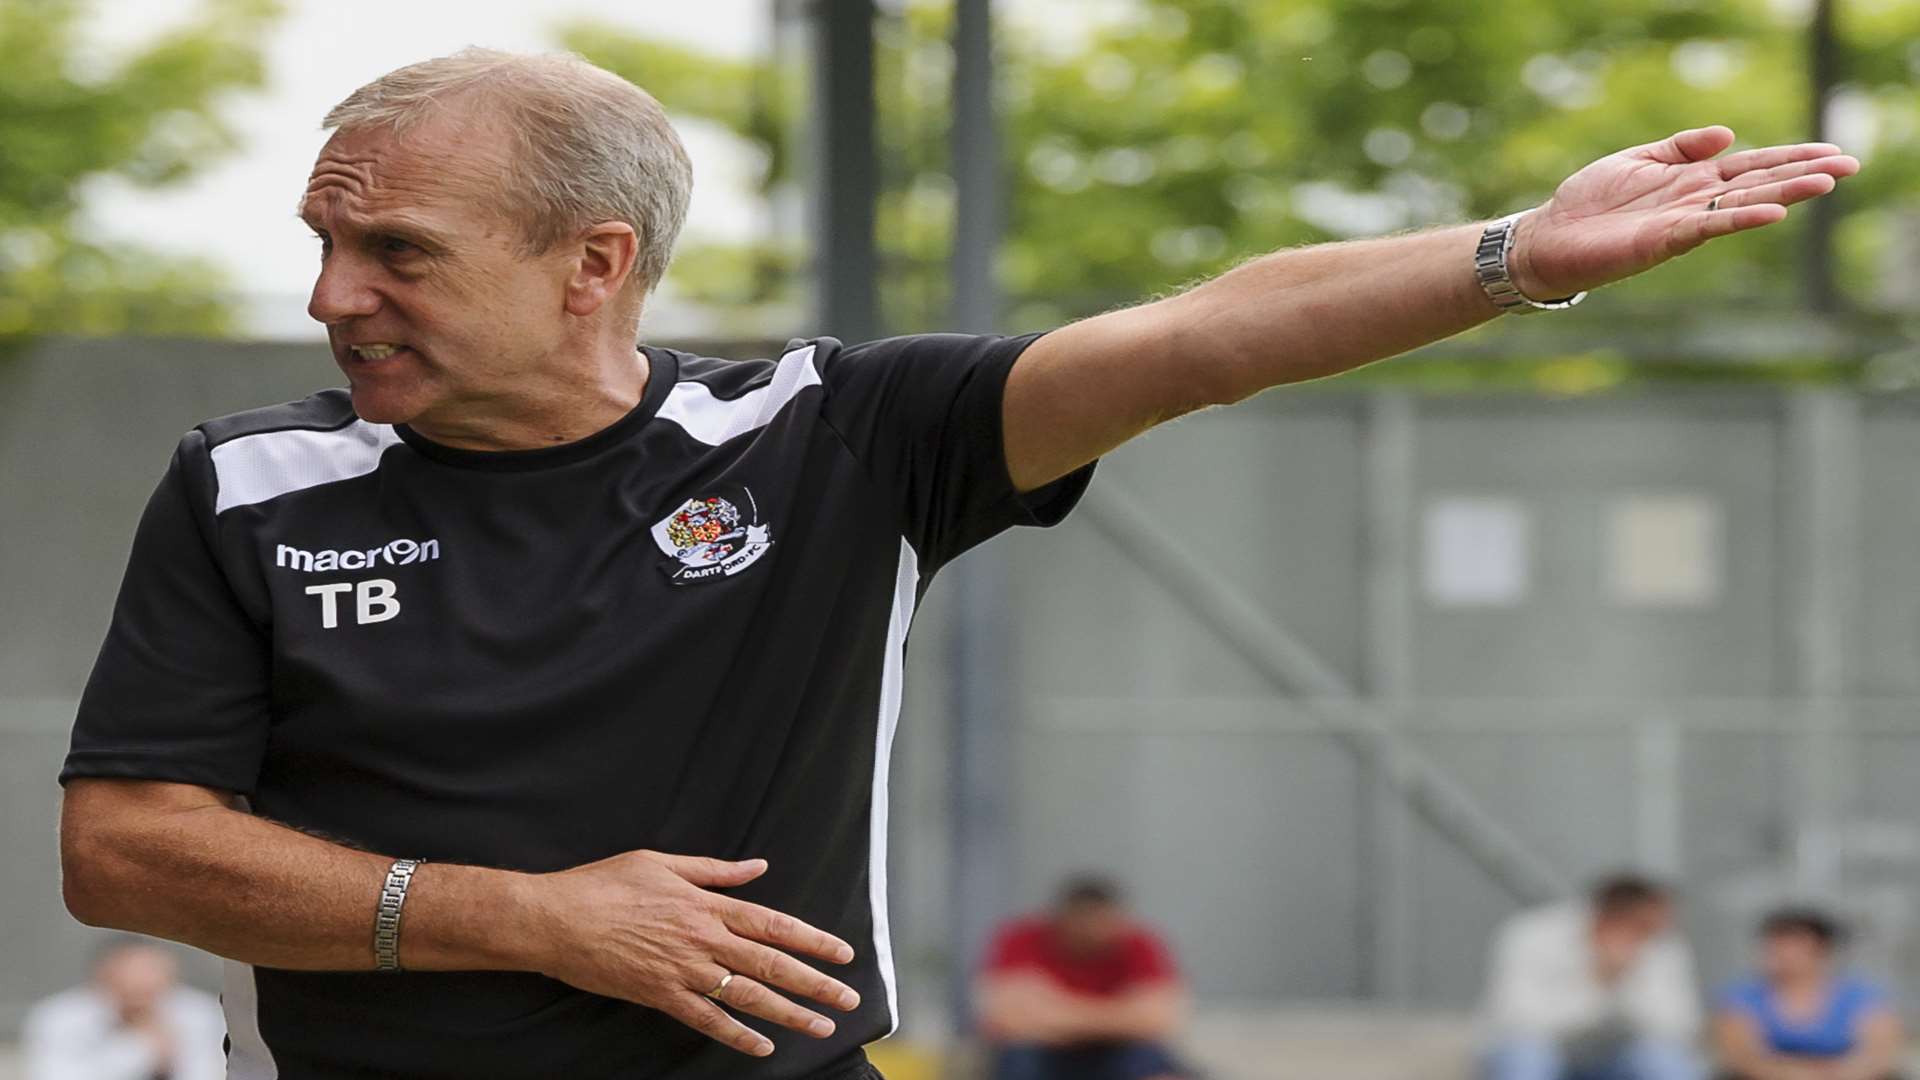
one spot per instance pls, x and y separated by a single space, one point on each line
603 260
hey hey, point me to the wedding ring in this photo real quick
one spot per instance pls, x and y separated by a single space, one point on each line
1713 203
718 990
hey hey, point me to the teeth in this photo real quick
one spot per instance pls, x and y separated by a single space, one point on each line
376 352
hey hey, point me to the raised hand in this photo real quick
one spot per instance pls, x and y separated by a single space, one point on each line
645 927
1639 207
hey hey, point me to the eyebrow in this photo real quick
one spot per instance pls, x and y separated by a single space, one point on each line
398 228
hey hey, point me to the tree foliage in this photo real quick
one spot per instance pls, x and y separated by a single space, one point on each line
1186 135
150 120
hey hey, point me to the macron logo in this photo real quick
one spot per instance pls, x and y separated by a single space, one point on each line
392 553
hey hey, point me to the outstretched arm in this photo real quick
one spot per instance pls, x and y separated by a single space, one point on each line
1303 313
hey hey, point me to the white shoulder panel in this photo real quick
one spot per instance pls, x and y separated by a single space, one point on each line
254 468
249 1058
713 420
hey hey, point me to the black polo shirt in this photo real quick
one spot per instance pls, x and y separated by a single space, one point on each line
682 633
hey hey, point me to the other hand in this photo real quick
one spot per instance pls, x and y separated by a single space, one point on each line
1639 207
644 927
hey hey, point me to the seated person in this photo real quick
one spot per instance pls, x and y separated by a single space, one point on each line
132 1021
1800 1018
1080 993
1599 988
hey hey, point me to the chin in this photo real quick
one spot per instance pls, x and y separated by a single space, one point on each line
386 405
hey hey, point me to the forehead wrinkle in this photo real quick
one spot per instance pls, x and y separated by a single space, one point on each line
372 198
393 222
381 180
341 169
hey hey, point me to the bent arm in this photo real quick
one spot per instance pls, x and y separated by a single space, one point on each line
180 862
1740 1051
1150 1013
1531 991
1024 1006
1881 1038
1020 1007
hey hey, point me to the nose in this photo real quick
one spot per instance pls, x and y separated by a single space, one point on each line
341 292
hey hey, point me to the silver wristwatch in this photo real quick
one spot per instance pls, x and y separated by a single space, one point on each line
386 921
1490 266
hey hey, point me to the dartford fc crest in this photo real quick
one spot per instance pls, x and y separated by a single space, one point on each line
709 537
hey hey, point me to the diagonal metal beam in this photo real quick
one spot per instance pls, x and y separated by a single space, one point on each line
1295 669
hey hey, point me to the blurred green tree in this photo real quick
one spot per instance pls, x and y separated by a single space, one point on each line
151 120
1178 137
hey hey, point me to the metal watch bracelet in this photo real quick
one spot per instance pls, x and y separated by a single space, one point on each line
386 921
1490 267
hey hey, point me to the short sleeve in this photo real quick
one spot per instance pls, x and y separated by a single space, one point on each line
923 414
1012 949
180 689
1864 996
1149 959
1743 997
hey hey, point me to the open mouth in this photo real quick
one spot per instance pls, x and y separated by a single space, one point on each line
372 354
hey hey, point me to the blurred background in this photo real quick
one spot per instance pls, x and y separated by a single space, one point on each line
1333 682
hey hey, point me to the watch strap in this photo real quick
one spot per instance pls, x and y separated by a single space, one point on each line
386 920
1490 267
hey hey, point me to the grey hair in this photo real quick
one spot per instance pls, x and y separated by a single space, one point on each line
589 146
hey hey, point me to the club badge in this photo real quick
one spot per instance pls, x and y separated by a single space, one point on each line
709 537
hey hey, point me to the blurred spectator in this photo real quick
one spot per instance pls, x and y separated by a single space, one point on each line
134 1021
1594 989
1798 1018
1081 993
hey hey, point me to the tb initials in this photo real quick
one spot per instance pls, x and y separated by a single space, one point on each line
373 601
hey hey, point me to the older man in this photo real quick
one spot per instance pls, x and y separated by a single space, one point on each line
132 1021
611 638
1599 988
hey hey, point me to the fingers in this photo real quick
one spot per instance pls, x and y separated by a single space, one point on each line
704 1016
753 998
1707 225
775 968
1783 192
1767 157
1694 144
778 928
1837 166
712 873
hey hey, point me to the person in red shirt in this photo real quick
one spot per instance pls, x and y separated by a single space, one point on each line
1083 992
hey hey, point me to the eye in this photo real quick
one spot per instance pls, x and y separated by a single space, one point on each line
393 245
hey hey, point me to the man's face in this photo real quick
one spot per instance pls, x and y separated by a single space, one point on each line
1790 954
1089 926
135 979
417 255
1634 926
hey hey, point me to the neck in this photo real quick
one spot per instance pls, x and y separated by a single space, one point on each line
549 407
1802 980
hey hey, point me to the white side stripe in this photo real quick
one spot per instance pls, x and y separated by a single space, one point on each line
254 468
713 421
905 583
248 1058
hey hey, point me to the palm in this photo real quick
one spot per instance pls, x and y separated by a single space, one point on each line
1634 209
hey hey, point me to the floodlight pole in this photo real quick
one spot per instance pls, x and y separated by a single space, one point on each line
981 716
847 171
1823 72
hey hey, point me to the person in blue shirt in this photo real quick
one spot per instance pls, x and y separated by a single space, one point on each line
1801 1017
